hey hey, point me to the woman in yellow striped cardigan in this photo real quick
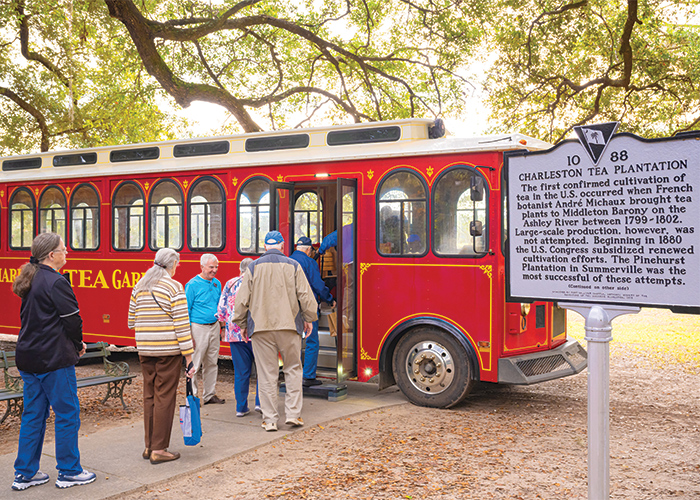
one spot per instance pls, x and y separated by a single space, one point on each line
158 313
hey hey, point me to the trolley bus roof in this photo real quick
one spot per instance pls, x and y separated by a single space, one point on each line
398 138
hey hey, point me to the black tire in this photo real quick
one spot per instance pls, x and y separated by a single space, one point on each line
444 373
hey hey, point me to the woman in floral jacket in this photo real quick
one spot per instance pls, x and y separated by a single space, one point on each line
241 349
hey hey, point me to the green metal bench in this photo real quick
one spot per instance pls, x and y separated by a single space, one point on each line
12 392
116 376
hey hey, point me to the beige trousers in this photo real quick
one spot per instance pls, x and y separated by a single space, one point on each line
266 345
206 358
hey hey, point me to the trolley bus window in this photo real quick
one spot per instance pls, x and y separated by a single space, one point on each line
308 216
166 216
402 218
21 219
206 225
459 205
52 212
253 216
85 218
128 217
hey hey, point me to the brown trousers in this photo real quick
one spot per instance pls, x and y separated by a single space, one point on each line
161 375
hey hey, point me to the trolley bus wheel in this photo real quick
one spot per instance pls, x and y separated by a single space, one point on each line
432 368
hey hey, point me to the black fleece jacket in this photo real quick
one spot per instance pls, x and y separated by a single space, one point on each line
52 330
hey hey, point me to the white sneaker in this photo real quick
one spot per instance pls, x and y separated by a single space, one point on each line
258 409
269 426
23 482
84 477
242 413
296 422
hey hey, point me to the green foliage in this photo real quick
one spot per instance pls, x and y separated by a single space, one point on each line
370 60
82 76
109 71
558 68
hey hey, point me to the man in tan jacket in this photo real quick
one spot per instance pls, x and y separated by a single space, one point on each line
275 305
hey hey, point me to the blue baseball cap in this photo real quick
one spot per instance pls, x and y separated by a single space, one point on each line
273 238
413 237
304 241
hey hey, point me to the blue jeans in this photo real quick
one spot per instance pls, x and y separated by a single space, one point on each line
242 357
311 353
59 390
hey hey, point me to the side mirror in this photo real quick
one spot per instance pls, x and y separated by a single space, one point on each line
477 188
476 228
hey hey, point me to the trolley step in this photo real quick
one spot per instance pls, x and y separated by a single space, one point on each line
329 390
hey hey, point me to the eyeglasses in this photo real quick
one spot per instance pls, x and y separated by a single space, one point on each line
64 250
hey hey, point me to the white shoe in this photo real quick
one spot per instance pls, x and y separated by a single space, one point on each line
242 413
269 426
296 422
84 477
22 482
258 409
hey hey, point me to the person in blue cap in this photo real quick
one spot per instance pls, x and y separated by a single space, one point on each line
303 256
415 244
274 306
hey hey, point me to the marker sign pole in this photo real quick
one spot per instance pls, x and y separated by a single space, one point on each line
598 335
603 226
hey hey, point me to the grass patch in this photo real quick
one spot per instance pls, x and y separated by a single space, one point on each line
659 335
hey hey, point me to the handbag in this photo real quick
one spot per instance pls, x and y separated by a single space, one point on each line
190 421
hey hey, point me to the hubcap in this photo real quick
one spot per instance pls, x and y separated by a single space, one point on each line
430 367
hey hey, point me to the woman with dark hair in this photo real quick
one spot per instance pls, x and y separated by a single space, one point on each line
49 344
158 312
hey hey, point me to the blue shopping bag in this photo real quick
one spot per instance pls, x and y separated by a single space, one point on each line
190 421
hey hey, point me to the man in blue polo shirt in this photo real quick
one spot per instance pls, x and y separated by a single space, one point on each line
203 292
322 293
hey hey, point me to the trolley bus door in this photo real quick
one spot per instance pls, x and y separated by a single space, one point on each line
347 269
281 217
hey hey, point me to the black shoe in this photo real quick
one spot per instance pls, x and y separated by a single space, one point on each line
310 382
215 400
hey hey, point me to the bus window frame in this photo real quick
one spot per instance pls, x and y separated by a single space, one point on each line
145 218
238 213
298 195
69 228
190 192
427 200
9 218
65 208
182 215
487 232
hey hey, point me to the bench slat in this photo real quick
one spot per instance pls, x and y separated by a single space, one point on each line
116 376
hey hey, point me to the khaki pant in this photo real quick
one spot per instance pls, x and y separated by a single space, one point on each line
266 345
161 375
206 358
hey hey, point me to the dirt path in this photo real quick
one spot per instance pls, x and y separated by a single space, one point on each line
519 443
502 442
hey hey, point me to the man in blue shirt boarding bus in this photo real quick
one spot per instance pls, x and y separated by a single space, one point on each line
203 293
303 256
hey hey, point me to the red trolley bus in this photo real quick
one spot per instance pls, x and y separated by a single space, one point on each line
419 259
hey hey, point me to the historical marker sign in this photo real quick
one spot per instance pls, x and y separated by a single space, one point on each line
625 230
